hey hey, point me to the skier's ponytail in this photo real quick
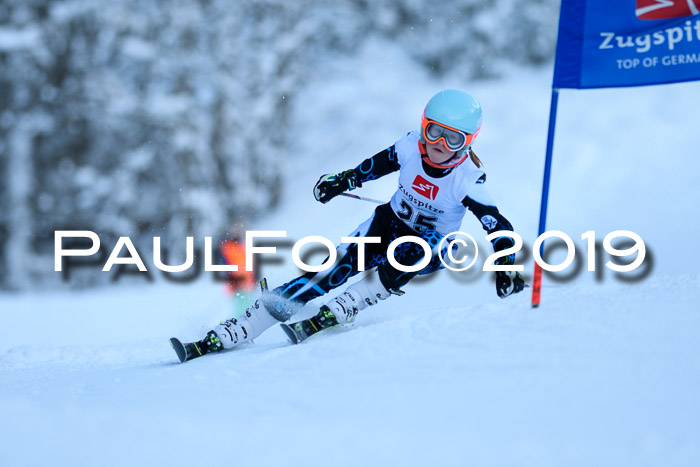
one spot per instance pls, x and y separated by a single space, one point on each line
477 162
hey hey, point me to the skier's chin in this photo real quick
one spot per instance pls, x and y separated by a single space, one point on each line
437 156
444 162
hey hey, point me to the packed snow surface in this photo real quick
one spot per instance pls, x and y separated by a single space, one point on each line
606 372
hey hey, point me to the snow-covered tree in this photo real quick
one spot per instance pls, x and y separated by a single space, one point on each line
169 117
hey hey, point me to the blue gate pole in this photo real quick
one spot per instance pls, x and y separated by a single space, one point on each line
537 280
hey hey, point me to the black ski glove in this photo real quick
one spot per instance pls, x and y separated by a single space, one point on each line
329 186
508 282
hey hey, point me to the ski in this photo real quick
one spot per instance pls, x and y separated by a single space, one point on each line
296 332
301 330
188 351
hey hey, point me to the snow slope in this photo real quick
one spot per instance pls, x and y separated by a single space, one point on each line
605 373
602 376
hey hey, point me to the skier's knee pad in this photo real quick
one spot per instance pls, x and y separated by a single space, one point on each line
249 326
358 296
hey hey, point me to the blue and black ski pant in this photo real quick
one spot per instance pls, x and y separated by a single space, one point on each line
384 224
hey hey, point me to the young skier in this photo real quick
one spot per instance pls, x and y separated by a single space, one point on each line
440 178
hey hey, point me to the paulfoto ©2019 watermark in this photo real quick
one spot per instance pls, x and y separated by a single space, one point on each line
458 252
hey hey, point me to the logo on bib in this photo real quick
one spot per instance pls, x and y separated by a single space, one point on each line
424 187
665 9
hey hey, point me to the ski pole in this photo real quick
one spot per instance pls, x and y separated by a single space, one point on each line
362 198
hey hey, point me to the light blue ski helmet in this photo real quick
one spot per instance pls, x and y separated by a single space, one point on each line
454 109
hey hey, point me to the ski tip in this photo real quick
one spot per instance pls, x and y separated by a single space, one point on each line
179 349
290 333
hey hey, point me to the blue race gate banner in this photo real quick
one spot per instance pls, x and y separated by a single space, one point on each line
610 43
613 43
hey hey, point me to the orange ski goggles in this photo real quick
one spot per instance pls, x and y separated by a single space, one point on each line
452 138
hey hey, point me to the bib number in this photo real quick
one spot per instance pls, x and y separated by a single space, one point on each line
419 222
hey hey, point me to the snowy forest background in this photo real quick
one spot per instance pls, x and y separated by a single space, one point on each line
171 118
